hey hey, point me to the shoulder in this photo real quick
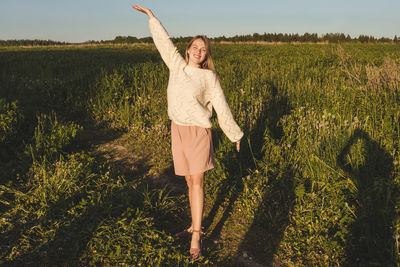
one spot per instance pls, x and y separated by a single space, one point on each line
210 75
212 79
209 72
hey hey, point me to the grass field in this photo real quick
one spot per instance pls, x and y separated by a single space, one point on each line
86 173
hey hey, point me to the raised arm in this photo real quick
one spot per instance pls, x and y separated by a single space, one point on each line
167 49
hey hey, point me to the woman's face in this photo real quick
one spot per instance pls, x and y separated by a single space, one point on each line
197 52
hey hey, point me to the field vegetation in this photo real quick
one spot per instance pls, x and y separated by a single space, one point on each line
86 172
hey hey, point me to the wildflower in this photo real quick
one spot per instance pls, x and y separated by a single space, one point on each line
395 163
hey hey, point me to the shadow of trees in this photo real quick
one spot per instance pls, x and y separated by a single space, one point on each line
71 239
72 236
64 87
371 236
50 80
69 245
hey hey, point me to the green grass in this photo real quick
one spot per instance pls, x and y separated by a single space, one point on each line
316 181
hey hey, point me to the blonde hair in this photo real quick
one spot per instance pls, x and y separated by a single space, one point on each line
207 62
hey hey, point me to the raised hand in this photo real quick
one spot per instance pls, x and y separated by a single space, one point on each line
143 10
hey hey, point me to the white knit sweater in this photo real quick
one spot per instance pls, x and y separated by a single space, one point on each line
192 92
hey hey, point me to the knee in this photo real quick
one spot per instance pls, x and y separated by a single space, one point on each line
197 181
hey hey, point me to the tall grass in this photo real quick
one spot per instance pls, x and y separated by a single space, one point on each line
316 182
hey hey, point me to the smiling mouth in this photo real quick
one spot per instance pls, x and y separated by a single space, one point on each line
196 57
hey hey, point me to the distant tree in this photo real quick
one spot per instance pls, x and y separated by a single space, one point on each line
146 40
384 40
363 39
131 39
256 37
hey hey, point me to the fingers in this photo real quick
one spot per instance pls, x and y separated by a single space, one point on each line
138 8
238 146
143 9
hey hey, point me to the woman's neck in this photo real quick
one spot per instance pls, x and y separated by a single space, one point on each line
194 65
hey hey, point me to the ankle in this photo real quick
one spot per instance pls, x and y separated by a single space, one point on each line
196 234
195 241
200 232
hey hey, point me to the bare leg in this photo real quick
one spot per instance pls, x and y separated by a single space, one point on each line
196 207
189 184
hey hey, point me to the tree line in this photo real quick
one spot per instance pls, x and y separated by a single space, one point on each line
255 37
27 42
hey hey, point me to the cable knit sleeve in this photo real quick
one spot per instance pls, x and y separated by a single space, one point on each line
224 114
167 49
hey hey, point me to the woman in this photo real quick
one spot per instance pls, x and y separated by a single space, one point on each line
193 90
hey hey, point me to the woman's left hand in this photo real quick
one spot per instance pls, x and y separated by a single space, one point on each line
238 146
143 10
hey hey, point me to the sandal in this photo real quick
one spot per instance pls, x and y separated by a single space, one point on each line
186 233
195 253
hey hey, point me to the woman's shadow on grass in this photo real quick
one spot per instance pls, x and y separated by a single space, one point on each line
239 165
371 236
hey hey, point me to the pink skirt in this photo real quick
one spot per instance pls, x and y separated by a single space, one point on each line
192 149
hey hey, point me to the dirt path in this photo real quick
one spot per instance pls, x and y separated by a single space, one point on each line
114 150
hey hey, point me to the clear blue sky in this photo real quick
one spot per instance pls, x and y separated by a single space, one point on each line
82 20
